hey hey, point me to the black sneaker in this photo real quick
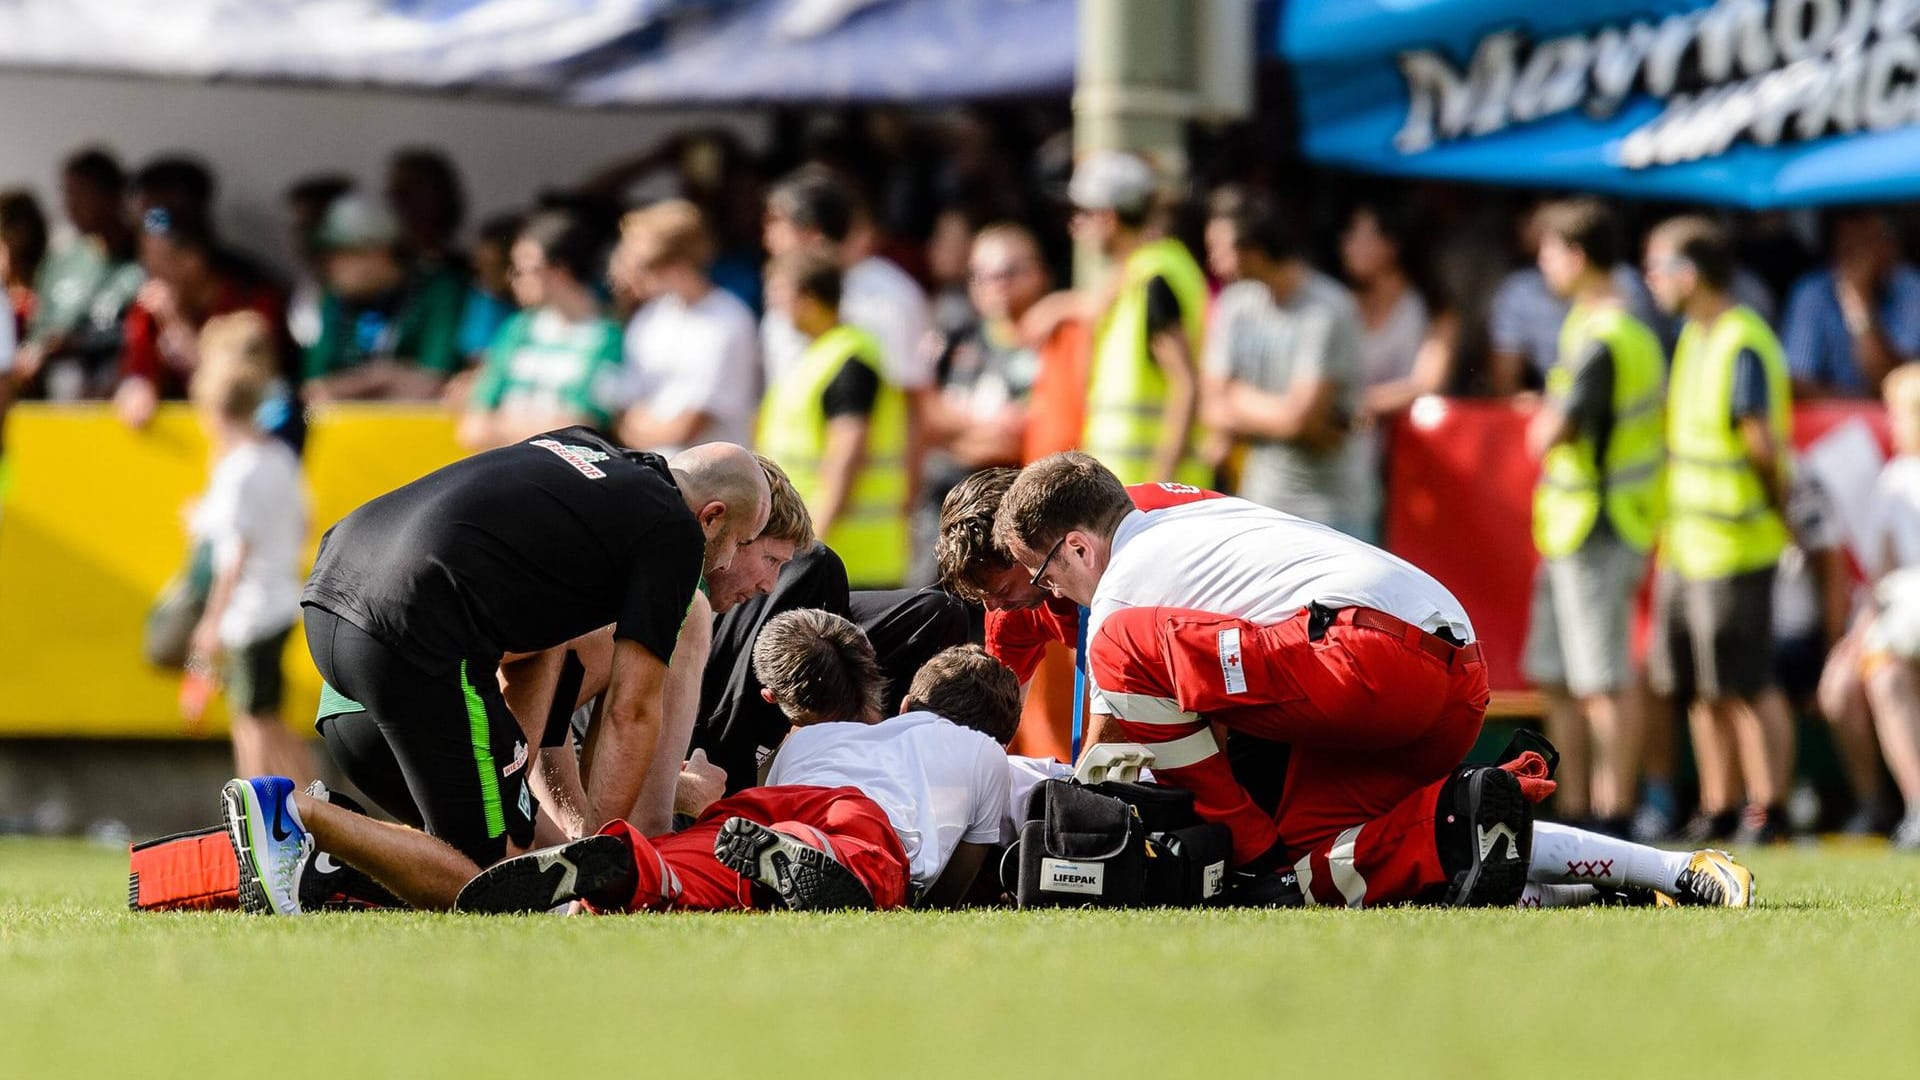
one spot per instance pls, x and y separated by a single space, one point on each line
597 869
1484 829
1269 890
1872 817
804 877
1710 826
1631 896
327 884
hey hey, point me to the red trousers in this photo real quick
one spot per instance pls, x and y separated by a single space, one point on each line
678 871
1377 719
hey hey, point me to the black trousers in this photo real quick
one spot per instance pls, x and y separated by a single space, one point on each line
438 750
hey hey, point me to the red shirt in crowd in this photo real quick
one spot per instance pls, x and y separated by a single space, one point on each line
151 355
1019 638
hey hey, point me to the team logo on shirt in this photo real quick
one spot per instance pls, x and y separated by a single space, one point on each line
1232 671
519 760
580 457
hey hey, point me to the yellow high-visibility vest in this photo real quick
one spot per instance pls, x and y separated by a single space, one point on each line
871 533
1720 518
1126 390
1576 485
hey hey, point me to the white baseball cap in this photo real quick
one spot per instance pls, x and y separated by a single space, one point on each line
1112 180
355 221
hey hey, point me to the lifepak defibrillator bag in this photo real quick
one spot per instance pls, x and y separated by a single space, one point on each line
1117 844
1080 848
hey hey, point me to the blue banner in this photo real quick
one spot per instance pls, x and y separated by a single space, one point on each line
1757 103
595 52
853 50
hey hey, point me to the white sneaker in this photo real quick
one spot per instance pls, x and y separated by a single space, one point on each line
269 843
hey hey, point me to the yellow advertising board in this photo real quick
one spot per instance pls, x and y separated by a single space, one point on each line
92 527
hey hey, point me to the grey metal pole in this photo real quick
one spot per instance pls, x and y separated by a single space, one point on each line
1136 86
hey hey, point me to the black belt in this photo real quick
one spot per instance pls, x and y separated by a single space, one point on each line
1441 645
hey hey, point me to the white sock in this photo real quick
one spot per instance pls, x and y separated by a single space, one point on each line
1567 856
1537 895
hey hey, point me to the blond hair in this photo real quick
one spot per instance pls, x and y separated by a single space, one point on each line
673 231
238 362
1901 391
787 518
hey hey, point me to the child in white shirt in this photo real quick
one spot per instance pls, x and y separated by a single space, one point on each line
253 517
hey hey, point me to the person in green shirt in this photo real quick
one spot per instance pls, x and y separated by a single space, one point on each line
84 286
389 330
558 362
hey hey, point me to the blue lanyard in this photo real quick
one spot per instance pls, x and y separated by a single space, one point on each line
1079 685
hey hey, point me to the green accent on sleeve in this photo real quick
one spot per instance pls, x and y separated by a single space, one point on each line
483 755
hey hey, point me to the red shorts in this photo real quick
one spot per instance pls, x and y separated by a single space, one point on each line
679 872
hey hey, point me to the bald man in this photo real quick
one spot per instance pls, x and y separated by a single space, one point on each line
421 595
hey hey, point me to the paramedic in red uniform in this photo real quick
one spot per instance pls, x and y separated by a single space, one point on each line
1223 613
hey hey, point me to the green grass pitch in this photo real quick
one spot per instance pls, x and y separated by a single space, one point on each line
1824 980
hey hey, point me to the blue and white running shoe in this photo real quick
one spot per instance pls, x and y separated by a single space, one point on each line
269 843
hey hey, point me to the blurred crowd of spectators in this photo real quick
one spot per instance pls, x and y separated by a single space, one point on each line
1335 303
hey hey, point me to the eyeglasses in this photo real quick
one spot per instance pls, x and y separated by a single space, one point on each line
1044 563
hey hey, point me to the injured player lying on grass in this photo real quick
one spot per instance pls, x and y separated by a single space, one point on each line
859 811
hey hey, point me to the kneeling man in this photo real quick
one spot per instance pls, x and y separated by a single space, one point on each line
419 595
861 812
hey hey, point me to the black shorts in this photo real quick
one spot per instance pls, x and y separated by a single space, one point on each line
255 681
458 753
1712 639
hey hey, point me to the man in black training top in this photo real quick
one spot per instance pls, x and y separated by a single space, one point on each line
419 596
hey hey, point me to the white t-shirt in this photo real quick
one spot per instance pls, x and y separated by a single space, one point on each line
699 357
256 498
881 299
1895 525
781 344
941 785
885 301
1232 557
